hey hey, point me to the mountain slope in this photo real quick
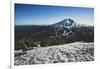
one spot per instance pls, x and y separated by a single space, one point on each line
73 52
68 26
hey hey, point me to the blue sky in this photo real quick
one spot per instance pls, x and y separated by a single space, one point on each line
30 14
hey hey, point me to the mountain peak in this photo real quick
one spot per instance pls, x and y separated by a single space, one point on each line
65 26
65 23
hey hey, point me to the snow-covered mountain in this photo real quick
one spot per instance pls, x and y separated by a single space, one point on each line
68 26
66 23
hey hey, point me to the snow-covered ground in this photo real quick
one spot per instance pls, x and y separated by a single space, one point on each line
73 52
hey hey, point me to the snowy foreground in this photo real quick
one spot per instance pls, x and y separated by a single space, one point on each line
73 52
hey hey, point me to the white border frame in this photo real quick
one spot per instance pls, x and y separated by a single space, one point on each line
48 2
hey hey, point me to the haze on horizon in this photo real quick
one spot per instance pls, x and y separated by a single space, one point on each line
30 14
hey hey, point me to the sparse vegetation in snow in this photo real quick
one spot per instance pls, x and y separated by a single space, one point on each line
73 52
